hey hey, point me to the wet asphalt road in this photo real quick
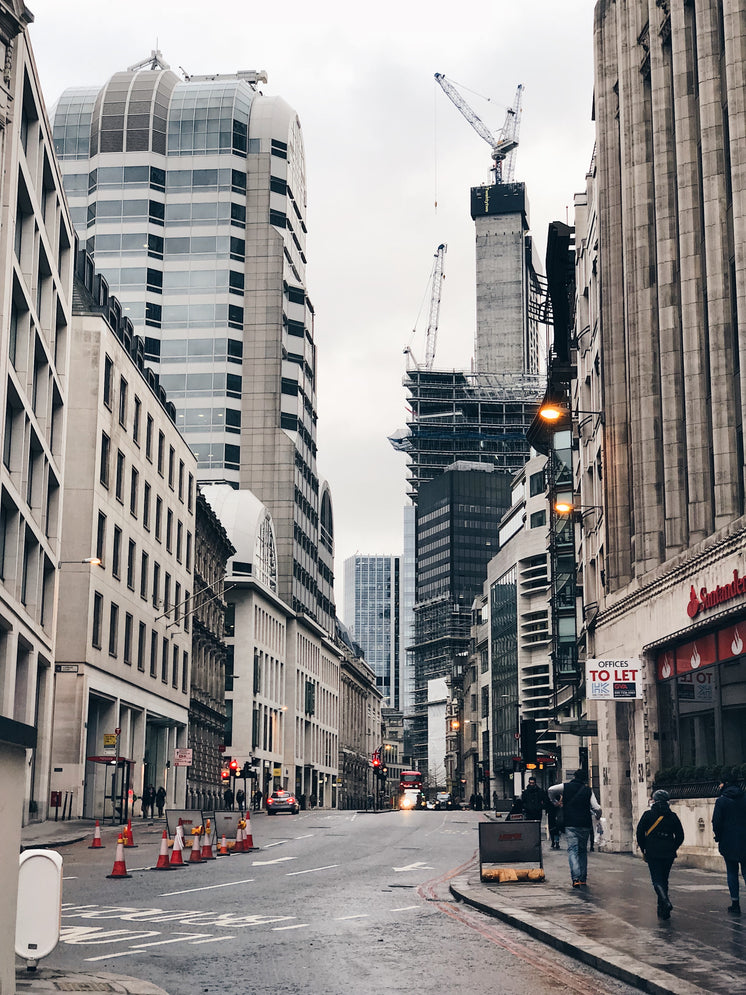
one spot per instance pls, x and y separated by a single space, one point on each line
332 902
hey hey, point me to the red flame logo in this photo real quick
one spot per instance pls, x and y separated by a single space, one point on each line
693 607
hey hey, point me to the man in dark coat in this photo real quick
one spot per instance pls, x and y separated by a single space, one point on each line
579 805
659 836
729 826
534 800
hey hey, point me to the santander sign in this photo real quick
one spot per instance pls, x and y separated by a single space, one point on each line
699 602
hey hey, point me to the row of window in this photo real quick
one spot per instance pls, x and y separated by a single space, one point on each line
137 646
117 561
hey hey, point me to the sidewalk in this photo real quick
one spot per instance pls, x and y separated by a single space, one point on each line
612 924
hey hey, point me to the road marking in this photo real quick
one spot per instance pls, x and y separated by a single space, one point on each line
69 877
345 918
326 867
266 863
214 939
177 939
300 925
405 908
419 866
209 887
308 836
266 846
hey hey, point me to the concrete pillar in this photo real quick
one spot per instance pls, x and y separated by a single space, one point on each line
725 402
693 316
673 436
616 433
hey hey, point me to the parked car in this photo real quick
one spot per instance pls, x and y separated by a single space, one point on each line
443 800
282 801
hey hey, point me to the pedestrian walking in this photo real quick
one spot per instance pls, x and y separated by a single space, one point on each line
240 799
535 801
729 826
659 836
579 804
160 800
257 799
148 801
228 798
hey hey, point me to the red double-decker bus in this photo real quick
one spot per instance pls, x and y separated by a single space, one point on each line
410 789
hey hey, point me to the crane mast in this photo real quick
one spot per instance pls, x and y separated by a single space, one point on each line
505 142
432 324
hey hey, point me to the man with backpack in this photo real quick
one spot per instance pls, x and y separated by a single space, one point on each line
579 806
659 836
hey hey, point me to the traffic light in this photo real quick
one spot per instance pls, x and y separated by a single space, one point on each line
233 767
246 770
528 741
376 762
384 772
225 774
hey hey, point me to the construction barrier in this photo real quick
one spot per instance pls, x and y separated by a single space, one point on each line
190 818
510 843
226 824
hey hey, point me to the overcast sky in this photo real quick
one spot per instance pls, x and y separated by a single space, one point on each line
389 161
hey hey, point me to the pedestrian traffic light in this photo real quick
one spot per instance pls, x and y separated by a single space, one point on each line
233 767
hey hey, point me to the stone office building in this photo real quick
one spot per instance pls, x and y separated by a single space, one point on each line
671 131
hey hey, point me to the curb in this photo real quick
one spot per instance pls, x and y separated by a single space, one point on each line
611 962
53 846
48 980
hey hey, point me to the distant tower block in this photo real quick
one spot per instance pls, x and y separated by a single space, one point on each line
507 337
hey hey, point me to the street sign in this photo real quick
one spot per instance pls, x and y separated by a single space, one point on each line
182 758
65 668
110 742
613 680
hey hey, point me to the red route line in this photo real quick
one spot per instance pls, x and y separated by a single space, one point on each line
500 936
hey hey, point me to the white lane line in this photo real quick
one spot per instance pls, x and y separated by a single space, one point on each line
278 929
308 836
209 887
140 946
266 846
344 918
266 863
214 939
326 867
405 908
69 877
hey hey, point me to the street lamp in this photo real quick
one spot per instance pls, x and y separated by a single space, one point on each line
552 411
92 561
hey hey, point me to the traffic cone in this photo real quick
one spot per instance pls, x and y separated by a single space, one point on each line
119 870
97 844
224 851
248 839
163 864
195 857
207 853
239 847
176 858
129 839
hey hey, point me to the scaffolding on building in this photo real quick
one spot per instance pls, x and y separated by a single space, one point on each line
454 415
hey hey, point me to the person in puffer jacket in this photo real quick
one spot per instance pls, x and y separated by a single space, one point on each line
729 826
659 836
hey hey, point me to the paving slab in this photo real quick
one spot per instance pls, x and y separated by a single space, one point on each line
612 923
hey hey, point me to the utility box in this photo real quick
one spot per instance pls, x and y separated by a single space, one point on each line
39 907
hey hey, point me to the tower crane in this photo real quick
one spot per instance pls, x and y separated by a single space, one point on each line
505 142
436 282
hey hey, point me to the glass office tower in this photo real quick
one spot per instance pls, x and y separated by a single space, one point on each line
191 196
372 614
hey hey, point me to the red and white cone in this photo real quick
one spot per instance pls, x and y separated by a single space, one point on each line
176 858
97 844
207 853
129 839
119 870
163 864
239 847
195 857
224 851
248 839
